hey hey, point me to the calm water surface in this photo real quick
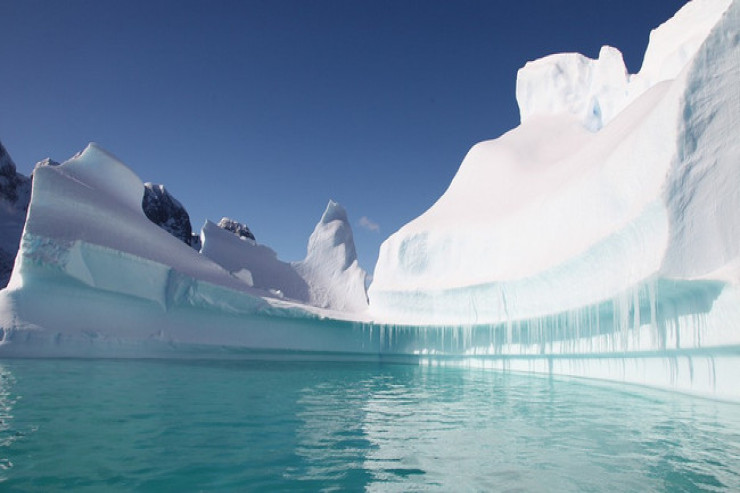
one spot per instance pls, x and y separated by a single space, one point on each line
106 425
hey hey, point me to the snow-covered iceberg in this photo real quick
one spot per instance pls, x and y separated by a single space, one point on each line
611 183
95 276
605 224
599 238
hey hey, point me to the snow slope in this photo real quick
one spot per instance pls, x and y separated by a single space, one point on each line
256 265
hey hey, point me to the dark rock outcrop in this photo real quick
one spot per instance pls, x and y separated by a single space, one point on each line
167 212
15 194
239 229
14 187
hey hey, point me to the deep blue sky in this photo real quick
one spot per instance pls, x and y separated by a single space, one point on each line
263 110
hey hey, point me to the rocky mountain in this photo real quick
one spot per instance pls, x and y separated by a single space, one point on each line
239 229
167 212
15 194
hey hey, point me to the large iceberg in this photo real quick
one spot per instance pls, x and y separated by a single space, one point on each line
602 229
95 276
611 184
599 238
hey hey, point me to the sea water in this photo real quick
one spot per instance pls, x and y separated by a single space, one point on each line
221 425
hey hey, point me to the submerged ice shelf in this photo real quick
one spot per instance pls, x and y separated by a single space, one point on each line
599 238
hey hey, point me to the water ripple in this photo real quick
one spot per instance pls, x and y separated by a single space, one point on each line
230 426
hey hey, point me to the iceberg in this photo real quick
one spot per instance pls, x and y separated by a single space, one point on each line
602 228
584 201
94 276
599 239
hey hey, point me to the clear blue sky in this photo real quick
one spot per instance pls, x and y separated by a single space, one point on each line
263 110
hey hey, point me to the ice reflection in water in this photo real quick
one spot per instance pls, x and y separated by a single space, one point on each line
477 430
7 434
87 425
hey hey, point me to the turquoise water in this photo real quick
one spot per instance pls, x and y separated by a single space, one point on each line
122 425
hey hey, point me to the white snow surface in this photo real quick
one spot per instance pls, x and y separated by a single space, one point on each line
601 189
331 269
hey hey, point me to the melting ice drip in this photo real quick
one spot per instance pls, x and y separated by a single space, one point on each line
657 315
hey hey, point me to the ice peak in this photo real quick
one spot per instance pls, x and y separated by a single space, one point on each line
100 169
334 276
334 212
